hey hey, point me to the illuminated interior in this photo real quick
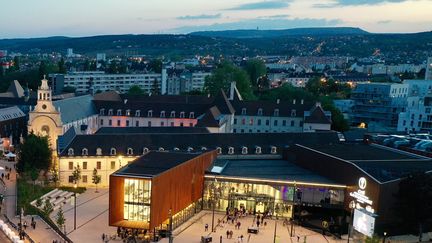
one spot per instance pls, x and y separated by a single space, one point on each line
137 195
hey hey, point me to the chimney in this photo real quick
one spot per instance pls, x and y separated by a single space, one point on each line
302 101
294 101
277 101
232 90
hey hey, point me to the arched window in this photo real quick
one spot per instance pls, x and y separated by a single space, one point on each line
176 149
273 150
258 150
203 148
260 112
230 150
145 150
98 151
219 150
129 151
189 149
161 149
70 152
84 151
113 151
244 150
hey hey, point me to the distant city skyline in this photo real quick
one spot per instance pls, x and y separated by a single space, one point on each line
42 18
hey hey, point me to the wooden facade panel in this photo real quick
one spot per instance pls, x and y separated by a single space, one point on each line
178 187
116 199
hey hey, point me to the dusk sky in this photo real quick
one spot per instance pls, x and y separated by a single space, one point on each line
31 18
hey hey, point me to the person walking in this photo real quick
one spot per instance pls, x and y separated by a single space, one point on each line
206 227
228 234
231 234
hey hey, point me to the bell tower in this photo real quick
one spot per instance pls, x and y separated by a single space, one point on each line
44 98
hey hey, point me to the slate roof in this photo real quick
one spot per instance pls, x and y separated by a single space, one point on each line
121 142
317 116
171 130
268 107
75 108
155 163
10 113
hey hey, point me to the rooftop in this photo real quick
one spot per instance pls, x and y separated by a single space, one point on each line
131 130
155 163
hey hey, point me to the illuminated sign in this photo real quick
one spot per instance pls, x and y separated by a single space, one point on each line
360 196
364 222
362 183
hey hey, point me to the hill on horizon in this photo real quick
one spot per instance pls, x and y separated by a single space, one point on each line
256 33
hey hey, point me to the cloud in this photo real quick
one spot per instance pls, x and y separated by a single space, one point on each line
201 16
273 4
261 24
278 16
355 3
384 21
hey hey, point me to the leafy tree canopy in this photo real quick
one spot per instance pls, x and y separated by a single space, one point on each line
135 90
34 153
255 68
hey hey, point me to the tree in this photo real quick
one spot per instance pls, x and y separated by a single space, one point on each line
61 66
60 219
156 65
43 69
17 64
34 174
48 207
54 176
413 201
256 69
69 89
76 174
96 178
2 71
135 90
222 77
34 153
339 123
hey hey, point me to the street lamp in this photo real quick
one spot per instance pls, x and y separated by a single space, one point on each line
75 187
384 239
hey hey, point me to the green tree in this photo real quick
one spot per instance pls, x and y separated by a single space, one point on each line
135 90
413 202
76 174
339 123
96 178
34 153
54 176
43 69
2 71
156 65
256 69
60 219
34 174
17 64
47 208
68 89
39 202
61 66
222 77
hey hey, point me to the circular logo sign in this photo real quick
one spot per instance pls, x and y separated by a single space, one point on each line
362 183
325 224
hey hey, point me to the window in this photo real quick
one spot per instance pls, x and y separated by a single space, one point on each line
203 148
276 112
113 165
127 123
71 179
84 165
110 112
110 122
138 113
119 113
145 150
251 122
189 149
113 151
293 112
235 121
98 165
191 124
161 149
127 112
243 121
243 112
84 178
260 112
162 114
244 150
129 151
219 150
258 150
70 152
259 122
292 123
275 122
137 208
182 114
101 122
149 123
118 123
273 150
70 165
176 149
181 124
172 124
102 112
284 123
172 115
162 124
150 113
98 151
191 115
230 150
267 122
137 123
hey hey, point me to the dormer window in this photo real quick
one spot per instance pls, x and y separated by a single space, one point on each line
99 151
191 115
230 150
145 150
84 152
172 115
162 114
110 112
176 149
260 112
258 150
129 151
189 149
119 112
244 150
219 150
243 112
113 151
293 113
161 149
182 114
127 112
150 113
273 150
102 112
70 152
276 112
203 148
138 113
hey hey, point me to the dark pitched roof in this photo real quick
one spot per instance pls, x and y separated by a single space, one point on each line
317 115
155 163
16 89
210 118
170 130
268 107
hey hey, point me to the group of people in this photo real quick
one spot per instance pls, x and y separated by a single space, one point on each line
8 170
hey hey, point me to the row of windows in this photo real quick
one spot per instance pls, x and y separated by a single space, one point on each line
275 112
84 165
149 113
250 122
149 123
113 151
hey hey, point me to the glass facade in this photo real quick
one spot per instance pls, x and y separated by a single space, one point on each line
137 195
276 199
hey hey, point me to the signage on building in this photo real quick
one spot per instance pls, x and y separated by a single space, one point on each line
361 197
364 222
